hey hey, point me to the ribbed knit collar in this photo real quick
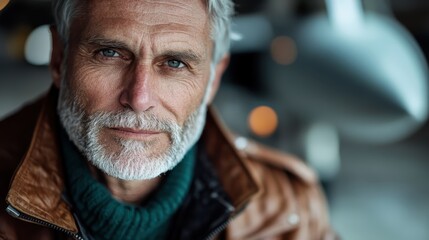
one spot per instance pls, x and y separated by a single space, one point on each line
105 217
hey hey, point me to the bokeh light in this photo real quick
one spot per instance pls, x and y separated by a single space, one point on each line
3 4
263 121
16 42
38 46
284 50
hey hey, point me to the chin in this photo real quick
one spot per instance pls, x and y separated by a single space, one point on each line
135 161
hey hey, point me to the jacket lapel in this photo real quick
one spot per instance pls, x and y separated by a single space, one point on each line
228 161
37 186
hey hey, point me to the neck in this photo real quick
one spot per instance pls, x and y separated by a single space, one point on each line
128 191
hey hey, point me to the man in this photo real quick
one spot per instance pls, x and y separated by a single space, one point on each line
121 147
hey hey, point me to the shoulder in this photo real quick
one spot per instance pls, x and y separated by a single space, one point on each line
16 135
290 201
266 157
16 132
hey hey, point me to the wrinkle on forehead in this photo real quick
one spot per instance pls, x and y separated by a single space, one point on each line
158 11
180 16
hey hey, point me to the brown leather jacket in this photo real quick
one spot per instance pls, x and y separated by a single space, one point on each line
279 194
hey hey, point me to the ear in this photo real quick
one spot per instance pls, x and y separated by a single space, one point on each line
57 55
219 70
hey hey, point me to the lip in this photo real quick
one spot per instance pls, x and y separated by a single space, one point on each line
131 132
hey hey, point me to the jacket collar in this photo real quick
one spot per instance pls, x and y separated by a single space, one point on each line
38 184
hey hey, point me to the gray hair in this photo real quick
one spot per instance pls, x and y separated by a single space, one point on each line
220 12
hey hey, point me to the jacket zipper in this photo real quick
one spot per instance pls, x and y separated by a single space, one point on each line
17 214
223 226
218 230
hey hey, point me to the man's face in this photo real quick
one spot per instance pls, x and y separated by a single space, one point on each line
132 96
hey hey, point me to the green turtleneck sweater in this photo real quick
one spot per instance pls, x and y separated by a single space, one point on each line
106 218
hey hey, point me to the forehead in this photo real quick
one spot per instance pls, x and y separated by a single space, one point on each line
143 18
159 11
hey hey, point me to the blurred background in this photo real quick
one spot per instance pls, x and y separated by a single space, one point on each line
343 84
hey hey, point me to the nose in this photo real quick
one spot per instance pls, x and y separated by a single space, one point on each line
138 94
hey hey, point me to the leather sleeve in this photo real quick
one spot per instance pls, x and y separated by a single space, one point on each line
290 204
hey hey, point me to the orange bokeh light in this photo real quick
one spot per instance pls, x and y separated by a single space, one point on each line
263 121
3 4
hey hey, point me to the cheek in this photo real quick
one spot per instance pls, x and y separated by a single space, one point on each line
182 98
97 87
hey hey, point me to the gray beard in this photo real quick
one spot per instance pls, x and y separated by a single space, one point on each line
128 163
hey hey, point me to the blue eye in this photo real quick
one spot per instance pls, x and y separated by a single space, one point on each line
175 64
109 53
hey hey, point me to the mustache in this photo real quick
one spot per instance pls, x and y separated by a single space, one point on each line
129 119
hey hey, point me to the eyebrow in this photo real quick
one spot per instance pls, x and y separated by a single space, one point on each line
106 42
186 55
